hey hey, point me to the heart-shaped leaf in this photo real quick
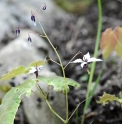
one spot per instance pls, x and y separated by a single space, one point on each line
21 70
13 73
35 64
111 40
108 42
59 83
11 101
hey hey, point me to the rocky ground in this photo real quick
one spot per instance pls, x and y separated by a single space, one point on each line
74 33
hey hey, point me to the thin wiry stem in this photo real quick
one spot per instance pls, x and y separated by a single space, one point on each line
35 33
47 102
60 65
54 61
95 55
54 111
73 58
77 108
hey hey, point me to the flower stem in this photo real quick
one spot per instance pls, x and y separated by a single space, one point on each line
66 97
45 97
54 111
95 55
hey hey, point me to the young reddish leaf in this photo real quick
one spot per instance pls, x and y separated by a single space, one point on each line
108 42
118 36
105 98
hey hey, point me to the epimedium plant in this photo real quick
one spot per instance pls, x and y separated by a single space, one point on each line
12 98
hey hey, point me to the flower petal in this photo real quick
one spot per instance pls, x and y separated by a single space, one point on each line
82 64
77 61
39 68
33 69
94 60
86 57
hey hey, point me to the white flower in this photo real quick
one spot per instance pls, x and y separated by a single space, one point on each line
35 69
86 59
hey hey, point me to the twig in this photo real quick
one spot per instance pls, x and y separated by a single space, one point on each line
53 61
73 58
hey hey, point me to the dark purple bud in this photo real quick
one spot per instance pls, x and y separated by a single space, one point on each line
44 7
33 18
17 32
30 40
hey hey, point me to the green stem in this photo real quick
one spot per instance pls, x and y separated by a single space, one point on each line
95 86
39 88
54 111
95 55
63 74
61 68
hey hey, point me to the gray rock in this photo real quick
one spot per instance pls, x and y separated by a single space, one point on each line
18 13
19 52
40 112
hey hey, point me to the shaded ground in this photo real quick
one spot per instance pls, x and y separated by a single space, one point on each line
61 35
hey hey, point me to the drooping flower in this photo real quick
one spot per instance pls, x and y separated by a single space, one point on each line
35 70
33 19
86 60
44 7
17 31
30 40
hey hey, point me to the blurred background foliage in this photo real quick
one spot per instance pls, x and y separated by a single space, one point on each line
74 6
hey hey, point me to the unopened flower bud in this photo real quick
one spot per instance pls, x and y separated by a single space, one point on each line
44 7
17 32
33 19
30 40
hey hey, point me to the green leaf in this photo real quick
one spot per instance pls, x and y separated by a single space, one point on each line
35 64
106 98
21 70
13 73
11 101
58 83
